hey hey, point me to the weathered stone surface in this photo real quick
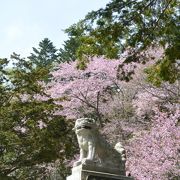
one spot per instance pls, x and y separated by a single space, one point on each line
98 160
83 172
94 149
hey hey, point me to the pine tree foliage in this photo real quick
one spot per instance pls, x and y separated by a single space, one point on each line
45 54
68 52
31 136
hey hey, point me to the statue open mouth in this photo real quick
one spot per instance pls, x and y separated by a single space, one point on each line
83 127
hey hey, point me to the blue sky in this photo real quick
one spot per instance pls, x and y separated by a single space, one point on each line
24 23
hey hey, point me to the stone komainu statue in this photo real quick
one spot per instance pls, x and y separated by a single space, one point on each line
95 149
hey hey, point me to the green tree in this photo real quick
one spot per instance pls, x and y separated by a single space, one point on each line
45 55
70 46
31 135
136 25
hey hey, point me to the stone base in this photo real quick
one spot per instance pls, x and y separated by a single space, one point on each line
84 172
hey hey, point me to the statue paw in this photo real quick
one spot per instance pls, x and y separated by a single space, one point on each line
86 161
77 163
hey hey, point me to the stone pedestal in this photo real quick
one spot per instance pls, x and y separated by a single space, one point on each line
85 172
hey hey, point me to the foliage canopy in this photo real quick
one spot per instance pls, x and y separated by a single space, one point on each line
31 136
132 25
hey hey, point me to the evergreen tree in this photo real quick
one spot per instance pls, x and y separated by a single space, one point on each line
45 55
68 52
32 137
70 46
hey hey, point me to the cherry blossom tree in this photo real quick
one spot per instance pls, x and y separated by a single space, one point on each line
83 92
154 154
142 116
152 141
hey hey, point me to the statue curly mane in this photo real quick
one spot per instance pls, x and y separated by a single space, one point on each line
95 149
